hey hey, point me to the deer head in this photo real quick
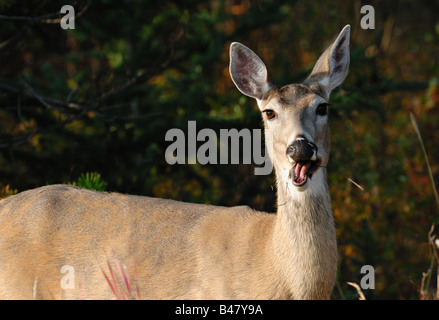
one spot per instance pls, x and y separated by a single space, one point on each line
295 115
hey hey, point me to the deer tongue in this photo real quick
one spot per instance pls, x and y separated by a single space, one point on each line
300 170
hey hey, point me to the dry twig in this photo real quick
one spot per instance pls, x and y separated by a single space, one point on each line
357 287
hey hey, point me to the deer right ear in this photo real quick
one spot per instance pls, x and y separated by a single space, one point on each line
248 72
332 67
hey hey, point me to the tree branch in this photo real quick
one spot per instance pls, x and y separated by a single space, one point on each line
44 18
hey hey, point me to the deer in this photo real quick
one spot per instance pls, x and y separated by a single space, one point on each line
187 250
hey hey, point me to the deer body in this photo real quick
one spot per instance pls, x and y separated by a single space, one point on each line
194 251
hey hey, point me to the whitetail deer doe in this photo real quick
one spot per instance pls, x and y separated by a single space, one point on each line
195 251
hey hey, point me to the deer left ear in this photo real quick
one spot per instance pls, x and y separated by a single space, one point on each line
332 67
248 71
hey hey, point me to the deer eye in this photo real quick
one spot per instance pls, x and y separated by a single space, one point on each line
270 114
322 109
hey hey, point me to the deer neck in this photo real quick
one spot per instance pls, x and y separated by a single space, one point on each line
305 244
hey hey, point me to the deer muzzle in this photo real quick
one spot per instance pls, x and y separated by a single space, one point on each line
303 155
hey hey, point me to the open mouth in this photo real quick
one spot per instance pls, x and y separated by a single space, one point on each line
303 170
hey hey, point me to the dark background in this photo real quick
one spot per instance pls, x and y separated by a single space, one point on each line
100 98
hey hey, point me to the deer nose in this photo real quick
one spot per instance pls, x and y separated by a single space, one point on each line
302 150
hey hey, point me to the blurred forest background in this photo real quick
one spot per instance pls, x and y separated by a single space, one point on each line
101 97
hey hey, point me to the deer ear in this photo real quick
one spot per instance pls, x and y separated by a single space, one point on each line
332 67
248 72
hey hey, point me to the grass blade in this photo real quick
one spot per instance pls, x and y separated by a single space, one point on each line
110 284
418 133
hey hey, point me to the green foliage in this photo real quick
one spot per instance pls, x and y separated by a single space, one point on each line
91 180
5 3
6 191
